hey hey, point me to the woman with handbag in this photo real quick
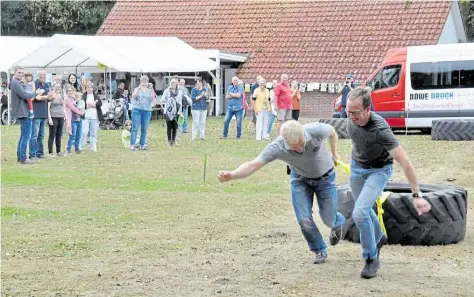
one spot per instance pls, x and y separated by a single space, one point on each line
172 111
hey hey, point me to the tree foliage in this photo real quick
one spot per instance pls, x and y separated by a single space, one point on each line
470 16
46 18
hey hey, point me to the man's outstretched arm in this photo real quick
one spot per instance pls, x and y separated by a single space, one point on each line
244 170
398 153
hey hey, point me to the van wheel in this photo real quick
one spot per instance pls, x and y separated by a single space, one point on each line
444 224
339 124
452 130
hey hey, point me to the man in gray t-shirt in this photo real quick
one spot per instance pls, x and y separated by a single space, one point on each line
312 172
373 149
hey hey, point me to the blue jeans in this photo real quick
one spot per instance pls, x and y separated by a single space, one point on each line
184 127
140 118
271 118
25 135
302 195
125 113
343 112
367 185
238 121
37 136
76 127
89 128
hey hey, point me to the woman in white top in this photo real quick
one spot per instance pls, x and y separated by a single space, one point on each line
92 117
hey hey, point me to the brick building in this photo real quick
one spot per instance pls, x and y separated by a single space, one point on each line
312 41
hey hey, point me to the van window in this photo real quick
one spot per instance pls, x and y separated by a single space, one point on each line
442 75
386 78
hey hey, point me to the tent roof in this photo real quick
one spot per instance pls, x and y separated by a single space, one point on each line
14 48
119 53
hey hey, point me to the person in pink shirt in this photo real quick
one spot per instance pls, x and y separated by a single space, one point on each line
73 114
283 99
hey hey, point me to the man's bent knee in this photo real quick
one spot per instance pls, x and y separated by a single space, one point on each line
306 223
360 215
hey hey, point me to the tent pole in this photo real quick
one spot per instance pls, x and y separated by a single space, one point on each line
219 91
9 121
57 58
105 83
110 83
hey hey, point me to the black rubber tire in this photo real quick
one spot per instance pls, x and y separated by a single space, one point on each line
444 224
452 130
340 125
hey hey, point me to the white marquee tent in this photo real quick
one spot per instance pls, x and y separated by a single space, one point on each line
13 48
81 53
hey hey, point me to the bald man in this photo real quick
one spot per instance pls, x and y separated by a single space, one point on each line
312 172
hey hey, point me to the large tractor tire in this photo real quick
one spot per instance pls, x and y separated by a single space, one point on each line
340 125
444 224
453 130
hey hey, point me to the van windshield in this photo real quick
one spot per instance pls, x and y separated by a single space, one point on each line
385 78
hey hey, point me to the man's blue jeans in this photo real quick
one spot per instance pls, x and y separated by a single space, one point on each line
302 195
184 127
25 135
270 123
367 185
37 136
140 118
76 130
238 121
343 112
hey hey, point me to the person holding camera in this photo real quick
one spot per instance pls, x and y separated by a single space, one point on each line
346 88
312 172
142 100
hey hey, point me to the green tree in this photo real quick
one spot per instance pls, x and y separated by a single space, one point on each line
46 18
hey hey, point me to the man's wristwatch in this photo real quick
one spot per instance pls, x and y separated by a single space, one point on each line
417 195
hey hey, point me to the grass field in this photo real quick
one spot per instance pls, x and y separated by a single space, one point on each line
115 223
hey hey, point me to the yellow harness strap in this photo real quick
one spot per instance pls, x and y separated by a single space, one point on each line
380 200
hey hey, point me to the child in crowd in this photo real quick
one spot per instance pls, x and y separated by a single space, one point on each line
126 135
29 87
75 109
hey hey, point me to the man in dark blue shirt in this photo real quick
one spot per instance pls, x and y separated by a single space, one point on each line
348 86
19 106
40 110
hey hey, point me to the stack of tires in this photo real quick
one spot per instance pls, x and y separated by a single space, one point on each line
444 224
453 130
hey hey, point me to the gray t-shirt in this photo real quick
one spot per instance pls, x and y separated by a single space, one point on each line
313 162
371 143
57 108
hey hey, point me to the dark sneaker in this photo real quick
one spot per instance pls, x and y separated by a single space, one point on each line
27 162
335 236
320 257
380 244
370 268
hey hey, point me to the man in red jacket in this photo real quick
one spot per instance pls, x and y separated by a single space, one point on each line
284 106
